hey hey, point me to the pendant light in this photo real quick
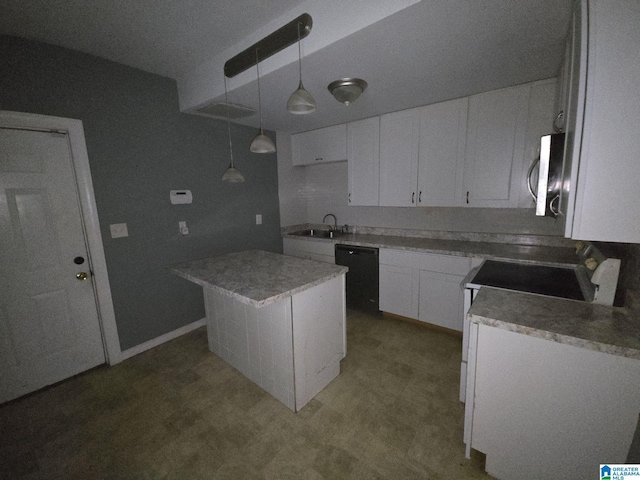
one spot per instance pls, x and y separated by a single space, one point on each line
261 143
301 102
231 174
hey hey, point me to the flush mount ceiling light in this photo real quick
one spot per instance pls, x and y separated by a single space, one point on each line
261 143
231 174
301 102
347 90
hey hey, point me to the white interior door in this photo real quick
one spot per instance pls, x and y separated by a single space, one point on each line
49 327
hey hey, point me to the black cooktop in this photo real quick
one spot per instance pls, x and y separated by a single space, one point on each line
540 279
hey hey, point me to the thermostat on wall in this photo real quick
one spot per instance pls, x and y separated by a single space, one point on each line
179 197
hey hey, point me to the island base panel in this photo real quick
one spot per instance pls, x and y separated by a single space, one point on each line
307 330
319 333
255 341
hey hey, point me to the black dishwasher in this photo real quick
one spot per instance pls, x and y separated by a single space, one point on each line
362 278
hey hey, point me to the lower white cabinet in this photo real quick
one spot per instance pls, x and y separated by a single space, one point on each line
536 406
423 286
399 290
441 299
320 251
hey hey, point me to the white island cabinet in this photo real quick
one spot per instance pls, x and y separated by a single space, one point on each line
277 319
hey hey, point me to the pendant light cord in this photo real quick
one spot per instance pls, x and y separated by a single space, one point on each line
226 100
299 55
259 99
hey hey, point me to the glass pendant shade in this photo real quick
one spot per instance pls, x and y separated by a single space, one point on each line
262 144
301 102
231 174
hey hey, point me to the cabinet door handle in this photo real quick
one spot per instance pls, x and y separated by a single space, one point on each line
413 197
420 197
319 159
553 210
349 197
558 122
467 197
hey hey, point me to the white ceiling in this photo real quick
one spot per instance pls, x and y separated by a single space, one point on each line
167 37
430 51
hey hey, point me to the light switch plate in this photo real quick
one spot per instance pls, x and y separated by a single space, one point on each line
118 230
259 219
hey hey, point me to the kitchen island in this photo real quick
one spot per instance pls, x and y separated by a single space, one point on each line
277 319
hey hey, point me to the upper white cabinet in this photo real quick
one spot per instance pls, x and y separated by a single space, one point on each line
363 155
574 68
399 140
541 116
320 146
496 131
601 182
443 128
471 151
422 155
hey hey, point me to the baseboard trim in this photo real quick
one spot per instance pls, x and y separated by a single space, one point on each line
143 347
423 324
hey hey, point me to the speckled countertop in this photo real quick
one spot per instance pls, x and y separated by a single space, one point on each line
596 327
255 277
464 248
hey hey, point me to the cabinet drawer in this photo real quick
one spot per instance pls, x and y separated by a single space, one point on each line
426 261
309 246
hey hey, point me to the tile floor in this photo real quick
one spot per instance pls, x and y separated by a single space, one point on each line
179 412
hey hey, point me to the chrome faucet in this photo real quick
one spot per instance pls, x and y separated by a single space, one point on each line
335 222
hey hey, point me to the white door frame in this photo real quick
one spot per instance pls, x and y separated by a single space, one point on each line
80 161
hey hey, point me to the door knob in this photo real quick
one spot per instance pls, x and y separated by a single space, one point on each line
81 275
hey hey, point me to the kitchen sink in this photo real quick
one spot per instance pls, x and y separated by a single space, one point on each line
318 233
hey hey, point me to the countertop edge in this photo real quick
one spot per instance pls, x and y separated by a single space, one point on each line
260 303
600 329
396 243
593 345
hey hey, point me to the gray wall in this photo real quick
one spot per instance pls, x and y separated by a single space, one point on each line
140 146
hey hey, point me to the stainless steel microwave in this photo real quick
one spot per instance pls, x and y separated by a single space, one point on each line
547 192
